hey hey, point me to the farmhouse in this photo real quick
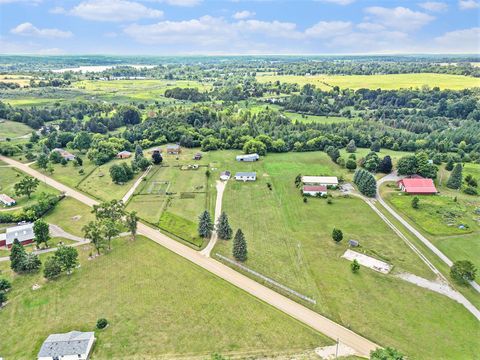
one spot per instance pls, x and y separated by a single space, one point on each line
246 176
315 190
197 156
64 154
72 345
248 157
225 175
7 200
124 154
320 180
174 149
418 186
24 234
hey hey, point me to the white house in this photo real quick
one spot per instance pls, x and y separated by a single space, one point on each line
320 180
24 233
248 157
225 175
246 176
74 345
315 190
7 200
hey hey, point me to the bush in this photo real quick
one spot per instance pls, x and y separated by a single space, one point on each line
415 202
355 266
337 235
5 285
463 271
102 323
470 191
53 268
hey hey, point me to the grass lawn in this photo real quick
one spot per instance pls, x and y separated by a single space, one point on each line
71 215
9 177
466 247
99 183
12 129
386 82
158 305
290 241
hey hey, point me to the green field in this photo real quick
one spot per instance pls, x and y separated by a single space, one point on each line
9 177
71 215
317 118
466 247
290 241
11 129
387 82
158 305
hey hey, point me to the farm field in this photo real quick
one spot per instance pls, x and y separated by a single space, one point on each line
22 80
9 177
11 129
290 241
317 119
149 318
387 82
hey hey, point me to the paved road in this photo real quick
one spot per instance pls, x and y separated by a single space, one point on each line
361 345
218 210
415 232
130 192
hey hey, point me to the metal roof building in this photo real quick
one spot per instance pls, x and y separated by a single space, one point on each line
71 345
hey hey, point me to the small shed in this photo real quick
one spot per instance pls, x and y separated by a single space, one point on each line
197 156
353 243
173 149
225 175
7 200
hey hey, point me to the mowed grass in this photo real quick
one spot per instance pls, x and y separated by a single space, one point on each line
9 177
71 215
466 247
158 304
290 241
387 82
12 129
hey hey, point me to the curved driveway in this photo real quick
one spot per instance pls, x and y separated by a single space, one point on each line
361 345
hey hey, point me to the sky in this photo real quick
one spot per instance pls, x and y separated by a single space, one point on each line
215 27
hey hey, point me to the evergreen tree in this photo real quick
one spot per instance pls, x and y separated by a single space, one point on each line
415 202
450 165
157 157
239 246
205 225
385 165
455 179
224 230
17 255
138 152
355 266
351 146
337 235
366 182
31 263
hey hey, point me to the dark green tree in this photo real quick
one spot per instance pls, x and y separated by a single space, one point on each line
31 263
42 161
131 220
205 225
67 256
387 353
157 157
93 232
42 232
415 202
5 285
385 166
455 179
26 186
239 246
355 266
351 146
463 271
17 255
337 235
224 230
351 164
52 268
449 166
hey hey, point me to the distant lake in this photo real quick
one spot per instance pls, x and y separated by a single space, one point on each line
92 68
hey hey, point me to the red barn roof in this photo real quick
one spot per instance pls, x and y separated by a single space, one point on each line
319 188
418 186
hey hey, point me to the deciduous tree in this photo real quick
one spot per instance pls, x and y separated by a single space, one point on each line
26 186
42 232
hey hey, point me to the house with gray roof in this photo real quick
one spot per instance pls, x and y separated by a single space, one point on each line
246 176
24 233
72 345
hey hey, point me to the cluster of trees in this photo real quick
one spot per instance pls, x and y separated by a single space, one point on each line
44 204
417 164
121 173
373 163
22 261
65 259
190 94
5 286
366 182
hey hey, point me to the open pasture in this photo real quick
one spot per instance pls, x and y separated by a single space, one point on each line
22 80
158 305
11 129
290 241
386 82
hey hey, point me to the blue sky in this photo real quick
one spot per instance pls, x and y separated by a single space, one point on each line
169 27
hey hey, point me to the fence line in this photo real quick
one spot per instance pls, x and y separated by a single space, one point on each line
267 279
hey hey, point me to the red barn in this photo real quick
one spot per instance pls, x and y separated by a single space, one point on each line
417 186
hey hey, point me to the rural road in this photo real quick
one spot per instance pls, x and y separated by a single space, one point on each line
218 210
361 345
415 232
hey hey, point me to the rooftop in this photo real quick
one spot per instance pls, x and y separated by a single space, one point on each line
71 343
246 174
419 185
321 188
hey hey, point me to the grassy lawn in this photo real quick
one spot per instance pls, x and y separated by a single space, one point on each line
9 177
465 247
158 305
71 215
12 129
99 183
290 241
387 82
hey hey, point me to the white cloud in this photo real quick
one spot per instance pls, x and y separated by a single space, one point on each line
183 2
245 14
30 2
468 4
114 10
28 29
110 34
339 2
269 28
460 41
368 26
57 10
328 29
434 6
400 18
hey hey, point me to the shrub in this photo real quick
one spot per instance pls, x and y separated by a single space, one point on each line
470 191
52 269
337 235
463 271
355 266
102 323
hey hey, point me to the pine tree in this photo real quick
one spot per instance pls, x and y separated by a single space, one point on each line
17 256
351 146
337 235
138 152
450 165
385 165
239 246
205 225
455 179
224 230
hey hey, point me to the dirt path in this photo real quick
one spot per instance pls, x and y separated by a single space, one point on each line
218 210
57 231
130 192
361 345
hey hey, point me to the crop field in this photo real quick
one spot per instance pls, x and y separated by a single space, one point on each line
11 129
134 90
290 241
9 177
157 304
387 82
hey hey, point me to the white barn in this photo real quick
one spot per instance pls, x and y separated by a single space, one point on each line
7 200
74 345
314 190
246 176
248 157
24 233
320 180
